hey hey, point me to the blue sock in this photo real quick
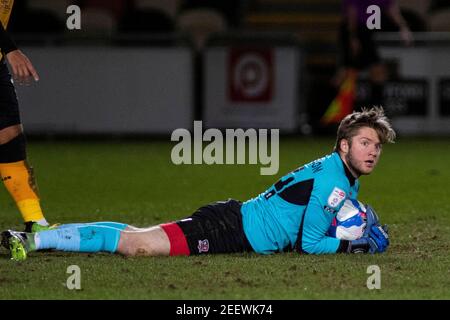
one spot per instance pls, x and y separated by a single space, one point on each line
86 238
117 225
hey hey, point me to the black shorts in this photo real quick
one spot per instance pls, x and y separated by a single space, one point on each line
216 228
368 54
9 107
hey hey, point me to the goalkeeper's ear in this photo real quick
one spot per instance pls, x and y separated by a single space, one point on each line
372 218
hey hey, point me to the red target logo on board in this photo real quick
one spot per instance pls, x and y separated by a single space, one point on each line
250 77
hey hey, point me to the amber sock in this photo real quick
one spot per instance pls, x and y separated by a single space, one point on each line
19 180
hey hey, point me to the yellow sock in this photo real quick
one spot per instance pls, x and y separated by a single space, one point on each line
19 181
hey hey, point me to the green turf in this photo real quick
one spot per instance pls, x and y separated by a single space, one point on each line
137 183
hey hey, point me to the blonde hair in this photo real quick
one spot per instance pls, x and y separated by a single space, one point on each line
373 118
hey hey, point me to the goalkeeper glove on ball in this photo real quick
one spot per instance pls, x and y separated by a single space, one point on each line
376 240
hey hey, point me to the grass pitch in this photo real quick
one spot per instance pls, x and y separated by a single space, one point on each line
136 183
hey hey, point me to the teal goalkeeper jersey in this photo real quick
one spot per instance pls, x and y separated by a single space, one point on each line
301 204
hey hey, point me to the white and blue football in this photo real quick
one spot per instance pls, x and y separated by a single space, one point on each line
350 221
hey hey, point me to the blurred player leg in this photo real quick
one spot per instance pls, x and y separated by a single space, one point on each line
15 172
378 76
17 175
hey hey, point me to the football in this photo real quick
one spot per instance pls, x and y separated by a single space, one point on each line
350 221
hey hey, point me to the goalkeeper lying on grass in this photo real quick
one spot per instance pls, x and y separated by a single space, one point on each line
294 214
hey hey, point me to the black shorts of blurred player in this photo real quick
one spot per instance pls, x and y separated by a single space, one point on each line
365 57
9 106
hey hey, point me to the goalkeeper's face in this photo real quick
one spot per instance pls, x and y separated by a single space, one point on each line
363 152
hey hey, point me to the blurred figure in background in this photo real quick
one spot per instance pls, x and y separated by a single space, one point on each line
16 174
359 52
117 7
